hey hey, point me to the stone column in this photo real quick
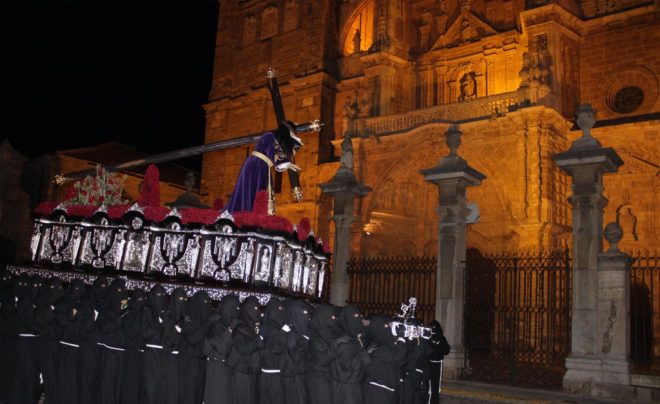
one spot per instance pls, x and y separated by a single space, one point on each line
344 187
452 176
586 161
614 317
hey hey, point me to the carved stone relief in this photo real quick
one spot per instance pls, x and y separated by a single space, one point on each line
250 30
291 11
269 22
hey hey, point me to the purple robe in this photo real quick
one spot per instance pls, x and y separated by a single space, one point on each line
253 176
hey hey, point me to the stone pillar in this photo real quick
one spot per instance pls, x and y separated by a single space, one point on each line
586 161
452 176
614 317
344 188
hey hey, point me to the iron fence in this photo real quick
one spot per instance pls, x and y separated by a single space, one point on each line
381 284
645 312
517 317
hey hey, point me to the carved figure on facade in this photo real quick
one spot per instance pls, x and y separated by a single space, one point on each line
468 87
351 109
535 75
468 32
269 22
250 30
357 41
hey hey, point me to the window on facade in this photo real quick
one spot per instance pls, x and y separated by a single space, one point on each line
627 100
359 31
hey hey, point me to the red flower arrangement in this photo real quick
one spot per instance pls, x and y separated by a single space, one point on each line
303 228
150 189
196 215
218 204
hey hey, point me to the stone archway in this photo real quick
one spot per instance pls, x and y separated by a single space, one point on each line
359 29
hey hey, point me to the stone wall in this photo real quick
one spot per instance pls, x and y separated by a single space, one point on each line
480 64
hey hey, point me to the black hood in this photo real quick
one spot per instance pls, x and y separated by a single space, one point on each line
275 314
350 321
99 292
85 311
436 327
229 309
177 307
116 293
63 312
380 330
75 291
36 288
54 290
299 314
7 294
23 290
6 282
158 299
199 306
138 300
250 310
324 322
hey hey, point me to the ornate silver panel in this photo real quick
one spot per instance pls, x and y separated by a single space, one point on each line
297 274
137 251
220 254
263 263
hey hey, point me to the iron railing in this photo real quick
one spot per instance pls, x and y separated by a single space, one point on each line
645 312
380 285
517 317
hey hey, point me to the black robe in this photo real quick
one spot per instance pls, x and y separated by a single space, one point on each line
67 361
133 366
152 334
48 340
26 388
244 355
383 374
439 348
111 345
89 351
276 365
192 361
349 358
8 336
299 313
217 346
323 333
416 373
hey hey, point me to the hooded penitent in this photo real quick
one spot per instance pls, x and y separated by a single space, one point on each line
217 346
276 365
153 323
192 363
299 313
323 333
133 366
26 381
48 344
243 359
7 335
177 307
350 321
112 343
98 292
383 373
75 291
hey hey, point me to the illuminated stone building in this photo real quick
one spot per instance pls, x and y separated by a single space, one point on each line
510 73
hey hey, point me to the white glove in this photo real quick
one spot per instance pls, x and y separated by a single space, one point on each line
96 315
287 166
178 329
160 320
286 328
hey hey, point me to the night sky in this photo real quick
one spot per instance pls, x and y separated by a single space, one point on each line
76 74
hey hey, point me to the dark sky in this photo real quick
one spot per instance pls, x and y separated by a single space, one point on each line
76 74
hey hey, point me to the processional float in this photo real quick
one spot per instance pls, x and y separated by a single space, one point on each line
213 251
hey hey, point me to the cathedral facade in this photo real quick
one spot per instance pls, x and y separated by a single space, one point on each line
395 74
